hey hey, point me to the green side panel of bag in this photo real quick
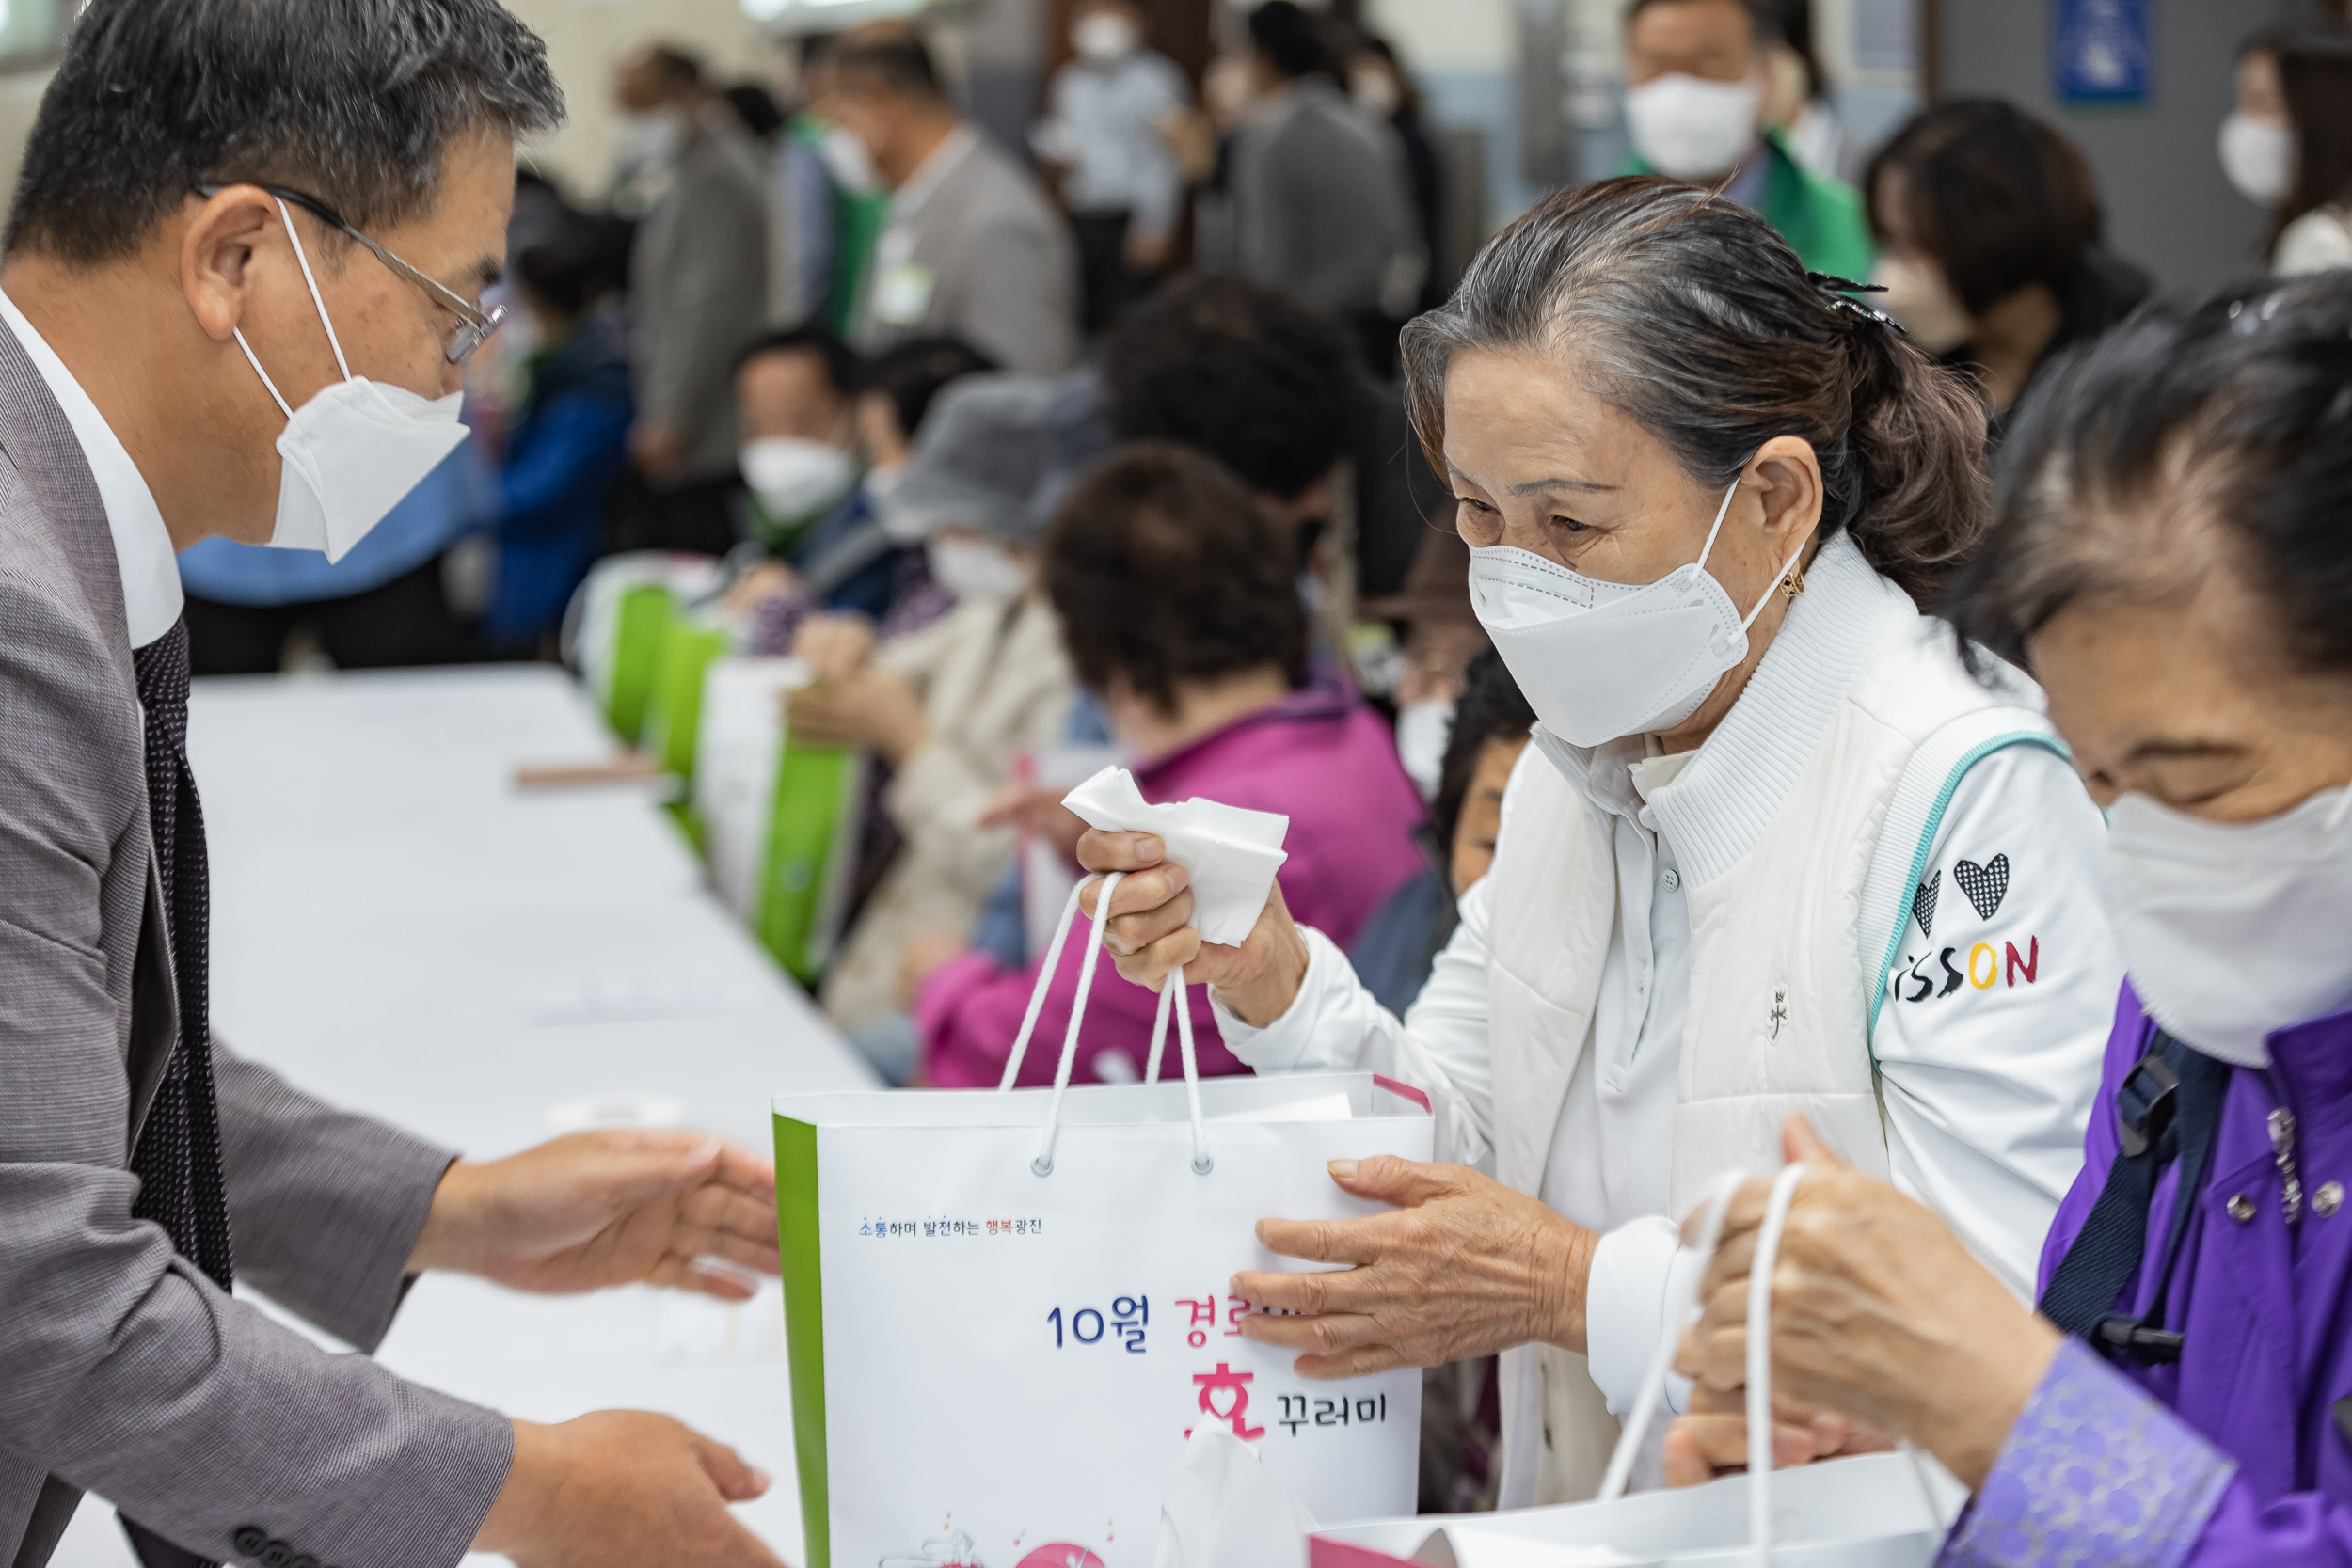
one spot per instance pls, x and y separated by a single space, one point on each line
804 1327
813 786
638 632
674 711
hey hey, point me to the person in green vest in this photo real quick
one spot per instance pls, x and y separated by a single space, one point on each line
837 204
1695 73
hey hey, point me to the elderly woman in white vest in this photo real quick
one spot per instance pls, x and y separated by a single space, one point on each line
1776 847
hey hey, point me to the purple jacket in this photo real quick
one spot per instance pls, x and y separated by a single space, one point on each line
2252 1465
1319 756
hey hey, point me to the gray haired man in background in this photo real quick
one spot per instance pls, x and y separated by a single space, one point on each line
246 256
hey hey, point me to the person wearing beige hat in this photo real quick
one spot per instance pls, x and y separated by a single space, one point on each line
952 707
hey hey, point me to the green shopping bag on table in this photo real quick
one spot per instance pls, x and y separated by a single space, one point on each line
618 625
690 642
779 822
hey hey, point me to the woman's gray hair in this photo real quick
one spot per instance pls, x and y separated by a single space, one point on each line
1693 316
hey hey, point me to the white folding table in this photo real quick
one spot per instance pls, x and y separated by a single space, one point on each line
401 930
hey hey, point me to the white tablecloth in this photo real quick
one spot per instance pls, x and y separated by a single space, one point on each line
400 929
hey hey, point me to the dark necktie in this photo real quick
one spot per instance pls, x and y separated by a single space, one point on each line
177 1160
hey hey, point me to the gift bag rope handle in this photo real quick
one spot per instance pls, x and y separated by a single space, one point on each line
1759 1391
1171 1000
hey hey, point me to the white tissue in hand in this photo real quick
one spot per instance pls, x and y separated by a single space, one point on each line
1224 1510
1231 855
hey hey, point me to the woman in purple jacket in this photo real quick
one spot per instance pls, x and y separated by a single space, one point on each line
2174 559
1179 608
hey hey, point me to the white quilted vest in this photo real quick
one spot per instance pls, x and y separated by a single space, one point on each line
1791 934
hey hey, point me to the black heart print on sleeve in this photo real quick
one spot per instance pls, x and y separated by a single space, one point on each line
1985 885
1923 902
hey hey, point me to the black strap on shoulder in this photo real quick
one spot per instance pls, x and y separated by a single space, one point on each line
2166 1110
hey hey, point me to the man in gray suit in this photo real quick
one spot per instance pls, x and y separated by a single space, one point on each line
698 291
1323 208
973 248
246 256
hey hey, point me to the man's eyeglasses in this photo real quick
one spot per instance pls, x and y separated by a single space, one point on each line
473 327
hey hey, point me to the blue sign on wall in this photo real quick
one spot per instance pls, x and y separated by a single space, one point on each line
2101 51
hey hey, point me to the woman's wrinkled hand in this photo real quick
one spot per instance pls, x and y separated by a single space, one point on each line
1152 932
1878 1316
873 709
835 645
1037 811
1713 1440
1464 1266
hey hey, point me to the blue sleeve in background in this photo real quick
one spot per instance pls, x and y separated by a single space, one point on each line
454 500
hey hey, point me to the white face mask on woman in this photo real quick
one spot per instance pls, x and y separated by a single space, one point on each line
1105 38
1690 128
2231 930
1602 661
1931 316
976 571
2258 155
352 451
653 139
795 477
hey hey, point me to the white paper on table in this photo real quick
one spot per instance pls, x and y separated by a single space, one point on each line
1225 1510
1229 854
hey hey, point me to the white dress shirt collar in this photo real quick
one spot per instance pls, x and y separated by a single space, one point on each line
152 599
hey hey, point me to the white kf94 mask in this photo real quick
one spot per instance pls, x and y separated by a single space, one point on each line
348 455
1601 661
2231 930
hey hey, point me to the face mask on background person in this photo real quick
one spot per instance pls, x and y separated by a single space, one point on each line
2232 930
2258 155
848 161
1105 37
1690 128
1931 314
654 138
795 477
350 454
1375 90
1602 661
976 571
1422 729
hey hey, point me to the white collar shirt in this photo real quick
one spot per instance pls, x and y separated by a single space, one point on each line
151 598
1106 126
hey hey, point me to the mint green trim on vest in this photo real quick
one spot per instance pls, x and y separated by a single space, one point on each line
1927 846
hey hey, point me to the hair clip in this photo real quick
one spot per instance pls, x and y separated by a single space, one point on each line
1839 292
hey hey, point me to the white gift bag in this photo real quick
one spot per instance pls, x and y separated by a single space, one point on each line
618 618
1007 1312
1872 1510
779 820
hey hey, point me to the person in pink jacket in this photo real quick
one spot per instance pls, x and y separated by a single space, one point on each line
1180 611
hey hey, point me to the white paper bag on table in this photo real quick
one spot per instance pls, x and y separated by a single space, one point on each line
1873 1511
779 820
1005 1312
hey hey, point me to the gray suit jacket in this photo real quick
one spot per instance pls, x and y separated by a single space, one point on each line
122 1369
698 288
1002 269
1322 206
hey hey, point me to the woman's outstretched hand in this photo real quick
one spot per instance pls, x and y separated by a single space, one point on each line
1880 1319
1152 932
